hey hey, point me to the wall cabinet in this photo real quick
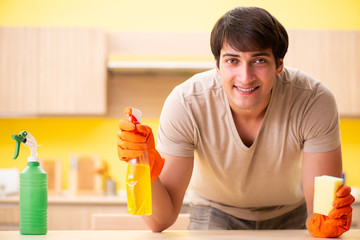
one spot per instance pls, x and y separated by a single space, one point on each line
330 56
52 71
63 71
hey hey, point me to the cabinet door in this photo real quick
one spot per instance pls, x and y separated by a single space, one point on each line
72 79
330 56
47 71
18 71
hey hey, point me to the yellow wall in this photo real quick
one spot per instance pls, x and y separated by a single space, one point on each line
174 15
62 136
350 140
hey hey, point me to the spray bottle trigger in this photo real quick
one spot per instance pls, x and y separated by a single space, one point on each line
19 139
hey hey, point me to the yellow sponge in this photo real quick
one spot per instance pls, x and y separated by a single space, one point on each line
325 188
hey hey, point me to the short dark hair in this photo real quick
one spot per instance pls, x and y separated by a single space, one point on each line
249 29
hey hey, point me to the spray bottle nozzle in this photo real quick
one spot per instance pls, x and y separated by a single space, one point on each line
19 138
134 115
28 140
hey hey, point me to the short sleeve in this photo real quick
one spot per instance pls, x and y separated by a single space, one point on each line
176 129
320 124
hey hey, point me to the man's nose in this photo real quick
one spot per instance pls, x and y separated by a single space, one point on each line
245 73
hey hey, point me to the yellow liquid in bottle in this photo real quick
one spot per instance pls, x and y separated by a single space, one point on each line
138 189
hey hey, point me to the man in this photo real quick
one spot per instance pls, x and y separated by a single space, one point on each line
251 135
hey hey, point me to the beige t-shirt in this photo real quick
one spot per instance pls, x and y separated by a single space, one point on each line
258 182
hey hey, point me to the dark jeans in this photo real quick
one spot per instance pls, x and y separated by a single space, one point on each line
209 218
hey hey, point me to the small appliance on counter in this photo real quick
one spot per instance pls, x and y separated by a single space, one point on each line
9 181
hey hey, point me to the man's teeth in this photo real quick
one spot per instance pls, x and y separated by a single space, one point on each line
247 89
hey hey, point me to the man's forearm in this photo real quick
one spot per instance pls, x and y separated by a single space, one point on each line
168 192
164 213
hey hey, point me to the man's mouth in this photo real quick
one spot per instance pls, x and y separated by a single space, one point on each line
246 90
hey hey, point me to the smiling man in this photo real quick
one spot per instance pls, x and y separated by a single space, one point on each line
247 79
246 139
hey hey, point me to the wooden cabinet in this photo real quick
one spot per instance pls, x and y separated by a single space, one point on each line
330 56
52 71
62 71
68 213
75 212
64 213
356 215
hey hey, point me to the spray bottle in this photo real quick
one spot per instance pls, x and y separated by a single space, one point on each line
138 180
33 189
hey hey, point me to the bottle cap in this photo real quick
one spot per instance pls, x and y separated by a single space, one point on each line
33 159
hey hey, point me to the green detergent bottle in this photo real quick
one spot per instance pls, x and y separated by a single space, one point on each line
33 189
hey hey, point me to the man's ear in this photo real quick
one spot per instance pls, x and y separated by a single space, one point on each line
280 66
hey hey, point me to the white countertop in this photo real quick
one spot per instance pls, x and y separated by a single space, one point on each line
178 235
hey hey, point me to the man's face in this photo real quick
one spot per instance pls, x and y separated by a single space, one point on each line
247 78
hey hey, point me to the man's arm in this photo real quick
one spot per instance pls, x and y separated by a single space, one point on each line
317 164
168 192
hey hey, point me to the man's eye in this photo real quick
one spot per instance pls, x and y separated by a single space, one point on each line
260 60
231 61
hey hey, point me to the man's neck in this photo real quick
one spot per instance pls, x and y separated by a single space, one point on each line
248 122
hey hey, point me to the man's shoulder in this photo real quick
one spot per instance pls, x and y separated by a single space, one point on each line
297 88
199 83
298 79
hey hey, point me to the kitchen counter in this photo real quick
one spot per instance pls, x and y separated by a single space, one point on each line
76 211
183 235
120 199
73 199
